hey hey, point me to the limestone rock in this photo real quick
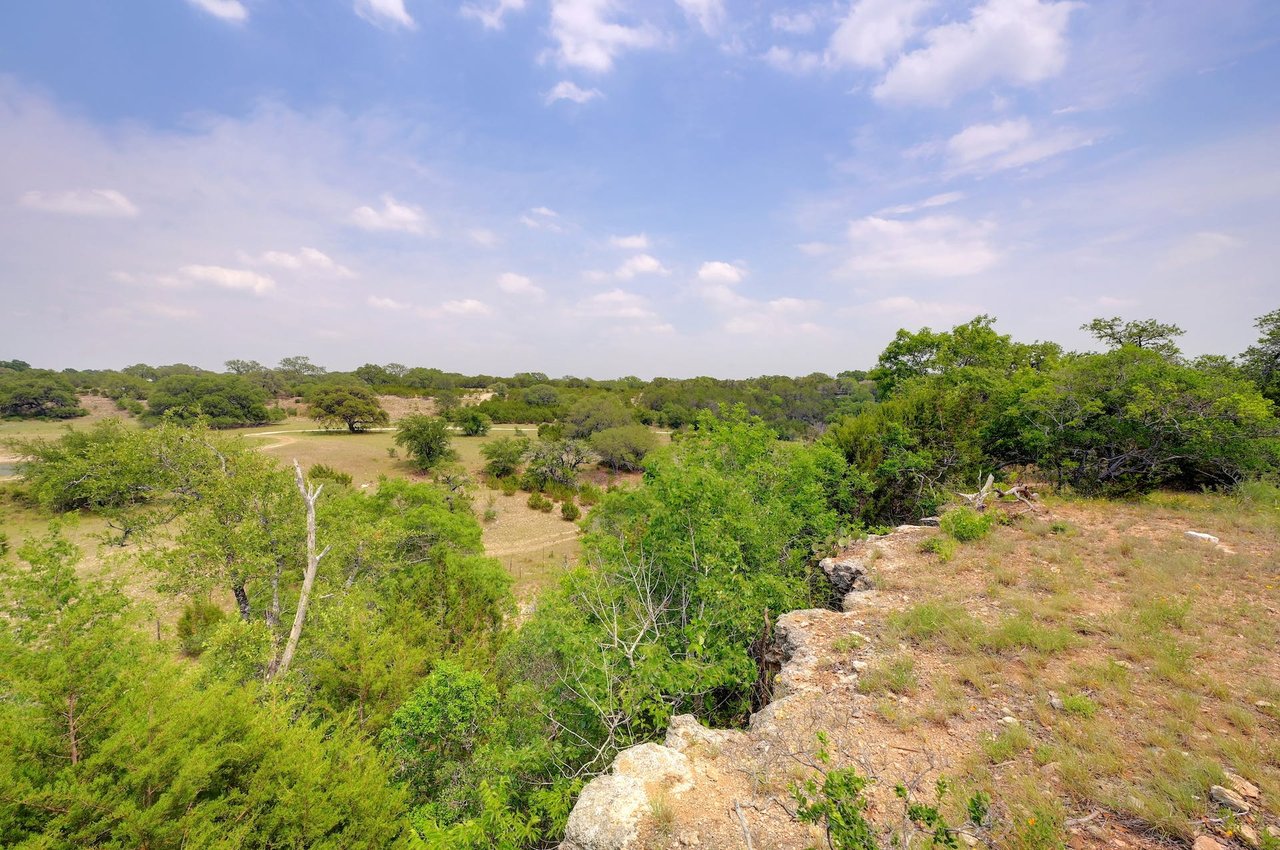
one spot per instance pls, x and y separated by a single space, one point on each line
847 574
1201 536
607 815
931 521
1242 786
658 769
1228 798
1248 835
1206 842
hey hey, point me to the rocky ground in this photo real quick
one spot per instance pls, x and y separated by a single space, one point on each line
1107 679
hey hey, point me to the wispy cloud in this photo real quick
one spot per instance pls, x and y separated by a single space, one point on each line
227 278
518 284
634 242
310 259
638 265
97 203
873 32
589 35
393 216
227 10
385 12
567 90
932 246
493 16
720 272
1010 144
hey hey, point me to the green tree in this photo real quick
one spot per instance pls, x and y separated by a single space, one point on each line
37 394
593 413
504 455
541 395
354 406
623 447
224 401
471 421
1261 361
426 439
1143 333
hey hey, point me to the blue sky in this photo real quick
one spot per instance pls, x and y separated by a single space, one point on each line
598 187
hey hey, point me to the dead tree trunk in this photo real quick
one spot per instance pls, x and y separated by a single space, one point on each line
309 496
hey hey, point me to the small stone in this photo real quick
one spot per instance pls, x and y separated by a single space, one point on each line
1248 835
1262 703
1205 842
1230 799
1201 536
858 665
933 522
1242 786
1056 703
1051 769
1009 721
690 839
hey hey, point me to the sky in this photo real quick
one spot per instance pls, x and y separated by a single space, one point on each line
604 188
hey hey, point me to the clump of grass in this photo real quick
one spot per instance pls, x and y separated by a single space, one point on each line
1022 632
848 643
1061 527
947 622
896 675
664 815
324 472
1007 743
1080 705
966 524
1163 613
943 547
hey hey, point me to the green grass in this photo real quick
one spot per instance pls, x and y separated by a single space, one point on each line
896 674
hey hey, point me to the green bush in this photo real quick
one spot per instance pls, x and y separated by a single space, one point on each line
570 511
198 621
943 547
539 502
966 524
324 472
509 486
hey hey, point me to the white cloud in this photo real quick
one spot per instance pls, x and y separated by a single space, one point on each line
1009 144
931 202
719 272
221 276
98 203
589 37
795 23
933 246
385 12
638 265
387 303
709 14
306 258
518 284
873 32
393 216
1020 42
465 307
781 316
493 17
567 90
541 218
635 242
227 10
792 61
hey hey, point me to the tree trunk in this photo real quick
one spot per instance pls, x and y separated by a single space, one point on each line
73 733
309 495
242 601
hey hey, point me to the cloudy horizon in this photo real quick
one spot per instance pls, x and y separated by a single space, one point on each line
603 188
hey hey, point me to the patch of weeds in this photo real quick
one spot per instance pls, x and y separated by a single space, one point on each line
966 524
1240 717
943 547
1172 794
1062 527
896 716
1022 632
664 815
1163 613
1007 743
895 675
848 643
945 621
1079 705
1035 818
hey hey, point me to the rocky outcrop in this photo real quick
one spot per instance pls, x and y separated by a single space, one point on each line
711 787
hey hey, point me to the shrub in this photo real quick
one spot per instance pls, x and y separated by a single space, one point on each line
589 494
198 621
539 502
943 547
570 511
509 486
966 524
426 439
504 455
623 447
324 472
